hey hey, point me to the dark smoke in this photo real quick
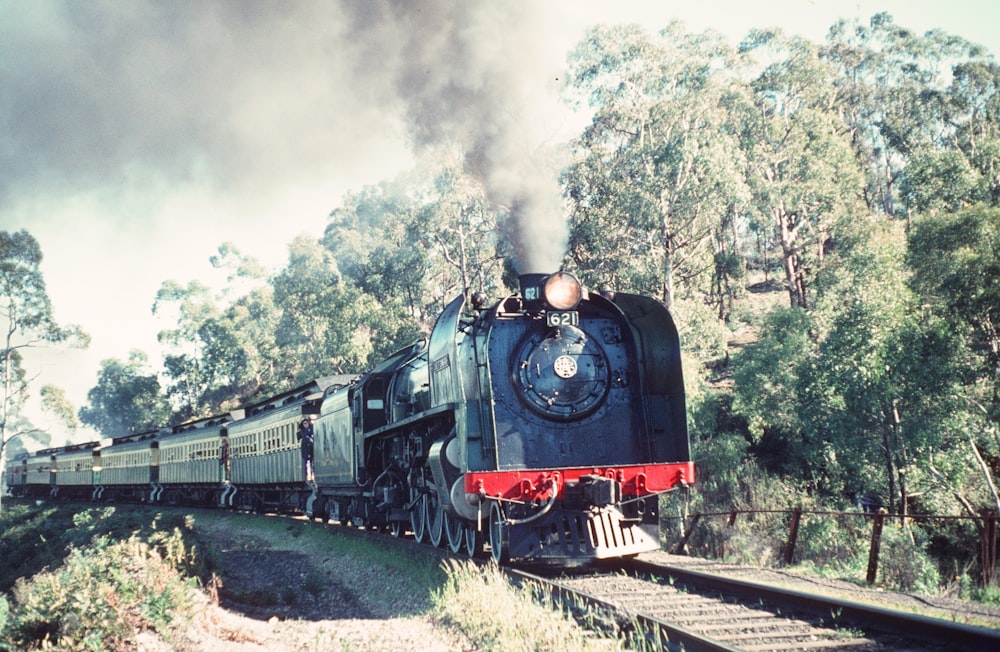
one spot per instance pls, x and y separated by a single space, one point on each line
468 73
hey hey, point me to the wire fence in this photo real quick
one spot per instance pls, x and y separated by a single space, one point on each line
963 545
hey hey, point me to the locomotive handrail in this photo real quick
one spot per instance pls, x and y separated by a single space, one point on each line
438 409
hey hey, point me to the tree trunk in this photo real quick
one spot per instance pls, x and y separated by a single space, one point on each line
794 274
987 476
890 471
668 261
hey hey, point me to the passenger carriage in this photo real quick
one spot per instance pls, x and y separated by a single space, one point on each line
129 468
266 470
74 471
16 475
194 461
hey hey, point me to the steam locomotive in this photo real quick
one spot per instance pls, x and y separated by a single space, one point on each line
545 426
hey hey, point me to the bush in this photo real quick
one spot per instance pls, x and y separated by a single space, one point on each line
104 591
835 546
904 564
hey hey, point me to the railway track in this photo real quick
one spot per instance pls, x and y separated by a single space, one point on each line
674 608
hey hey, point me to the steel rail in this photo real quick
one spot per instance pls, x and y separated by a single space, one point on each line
965 637
668 635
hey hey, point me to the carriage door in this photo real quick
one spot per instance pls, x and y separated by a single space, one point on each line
154 463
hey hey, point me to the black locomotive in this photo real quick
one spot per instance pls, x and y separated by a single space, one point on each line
546 425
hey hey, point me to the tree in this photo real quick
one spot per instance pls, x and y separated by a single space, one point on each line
956 271
904 94
54 402
26 314
659 168
417 241
769 376
956 263
328 325
222 352
190 377
855 395
128 398
800 167
886 370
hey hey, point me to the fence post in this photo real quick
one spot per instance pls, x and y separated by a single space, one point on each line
679 550
877 521
989 547
793 535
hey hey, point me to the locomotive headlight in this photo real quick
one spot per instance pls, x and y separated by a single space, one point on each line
563 291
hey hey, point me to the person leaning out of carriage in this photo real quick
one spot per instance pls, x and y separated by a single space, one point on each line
305 436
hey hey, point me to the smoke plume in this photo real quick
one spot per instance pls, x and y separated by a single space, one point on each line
469 73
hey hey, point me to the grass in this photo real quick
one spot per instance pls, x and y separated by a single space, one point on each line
482 605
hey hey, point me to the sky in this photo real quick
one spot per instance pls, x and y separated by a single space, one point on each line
136 137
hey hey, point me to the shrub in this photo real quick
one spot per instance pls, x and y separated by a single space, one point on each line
904 564
99 598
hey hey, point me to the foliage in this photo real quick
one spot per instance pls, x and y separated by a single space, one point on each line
767 374
127 398
658 161
100 597
863 168
903 561
326 321
223 351
54 401
956 260
121 574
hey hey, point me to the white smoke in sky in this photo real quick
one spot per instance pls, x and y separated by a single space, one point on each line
469 73
128 103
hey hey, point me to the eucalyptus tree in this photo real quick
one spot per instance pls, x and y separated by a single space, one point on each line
374 242
27 321
800 167
240 344
221 350
659 167
853 396
415 242
56 404
127 398
328 324
975 109
467 238
956 271
189 377
904 94
956 260
885 371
